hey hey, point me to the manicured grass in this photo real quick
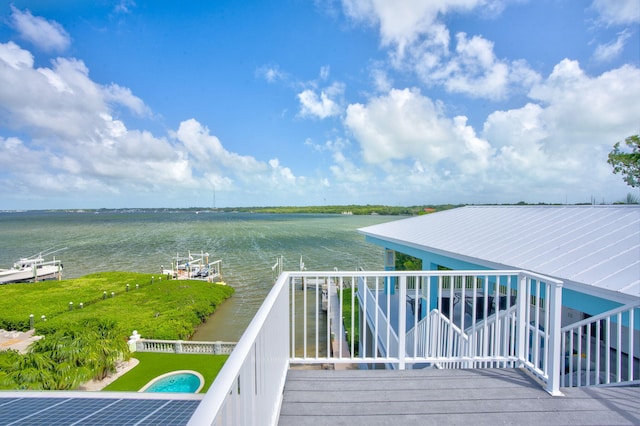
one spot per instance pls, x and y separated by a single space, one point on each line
153 365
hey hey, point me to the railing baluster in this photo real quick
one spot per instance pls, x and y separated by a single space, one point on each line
496 326
439 325
292 285
598 325
387 325
631 357
588 353
376 323
328 325
619 345
367 345
547 328
521 316
304 315
579 357
340 316
318 306
402 322
353 315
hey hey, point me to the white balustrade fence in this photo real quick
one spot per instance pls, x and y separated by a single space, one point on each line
184 347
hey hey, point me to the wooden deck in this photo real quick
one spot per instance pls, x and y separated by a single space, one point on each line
447 397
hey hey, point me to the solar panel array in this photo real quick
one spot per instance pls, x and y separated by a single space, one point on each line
95 411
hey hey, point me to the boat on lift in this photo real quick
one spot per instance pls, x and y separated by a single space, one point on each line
194 266
33 268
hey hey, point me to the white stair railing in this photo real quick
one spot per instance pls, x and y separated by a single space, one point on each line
603 349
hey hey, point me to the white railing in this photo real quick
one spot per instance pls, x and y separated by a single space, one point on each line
604 349
504 315
292 328
248 389
184 347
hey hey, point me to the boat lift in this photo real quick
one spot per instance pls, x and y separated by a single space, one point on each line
194 267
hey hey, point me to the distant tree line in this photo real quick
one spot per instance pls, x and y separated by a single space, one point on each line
368 209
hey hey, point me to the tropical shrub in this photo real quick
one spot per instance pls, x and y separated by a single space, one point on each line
89 349
84 344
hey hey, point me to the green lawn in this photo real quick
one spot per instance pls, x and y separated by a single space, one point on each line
155 364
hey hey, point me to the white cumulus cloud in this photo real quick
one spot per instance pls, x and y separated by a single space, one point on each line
46 35
59 101
406 125
553 148
608 51
402 24
75 145
617 12
326 103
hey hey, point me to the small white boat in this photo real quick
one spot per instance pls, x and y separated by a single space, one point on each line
32 269
194 267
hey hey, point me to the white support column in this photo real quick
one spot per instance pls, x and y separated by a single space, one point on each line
555 317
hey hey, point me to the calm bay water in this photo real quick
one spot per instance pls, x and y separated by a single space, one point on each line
248 245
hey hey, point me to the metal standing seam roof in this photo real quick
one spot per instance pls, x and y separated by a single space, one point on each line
593 246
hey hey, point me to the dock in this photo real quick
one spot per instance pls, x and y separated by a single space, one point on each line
330 303
339 343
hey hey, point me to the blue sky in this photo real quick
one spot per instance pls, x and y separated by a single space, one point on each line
123 103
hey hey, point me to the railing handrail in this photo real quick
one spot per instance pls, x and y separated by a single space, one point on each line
444 319
213 401
424 273
604 315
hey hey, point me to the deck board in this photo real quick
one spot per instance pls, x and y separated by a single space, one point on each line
387 397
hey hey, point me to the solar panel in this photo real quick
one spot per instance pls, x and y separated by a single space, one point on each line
83 410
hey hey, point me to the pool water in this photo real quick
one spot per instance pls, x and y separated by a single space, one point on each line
175 382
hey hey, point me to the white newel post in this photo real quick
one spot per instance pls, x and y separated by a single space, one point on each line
555 337
133 340
521 315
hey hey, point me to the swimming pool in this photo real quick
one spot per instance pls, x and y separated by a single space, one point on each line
186 381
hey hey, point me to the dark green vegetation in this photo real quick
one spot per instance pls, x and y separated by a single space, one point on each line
627 162
153 365
85 343
404 262
158 308
352 328
74 354
353 209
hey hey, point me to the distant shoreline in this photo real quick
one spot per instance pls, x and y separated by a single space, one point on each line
352 209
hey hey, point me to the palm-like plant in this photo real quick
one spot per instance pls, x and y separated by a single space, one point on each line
80 352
